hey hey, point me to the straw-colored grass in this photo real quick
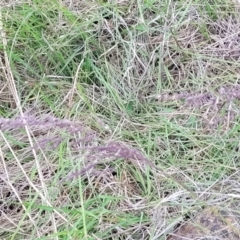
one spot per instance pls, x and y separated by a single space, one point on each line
119 119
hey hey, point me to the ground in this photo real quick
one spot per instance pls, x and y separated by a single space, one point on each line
119 119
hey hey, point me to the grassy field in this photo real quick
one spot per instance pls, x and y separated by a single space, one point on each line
118 119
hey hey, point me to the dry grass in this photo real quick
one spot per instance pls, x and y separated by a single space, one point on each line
119 119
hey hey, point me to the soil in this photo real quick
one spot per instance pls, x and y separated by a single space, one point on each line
210 224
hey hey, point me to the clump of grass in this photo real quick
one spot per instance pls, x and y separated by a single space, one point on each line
97 157
213 116
40 42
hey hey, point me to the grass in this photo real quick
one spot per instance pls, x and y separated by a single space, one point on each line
119 119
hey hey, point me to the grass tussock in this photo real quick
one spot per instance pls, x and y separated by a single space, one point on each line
119 119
